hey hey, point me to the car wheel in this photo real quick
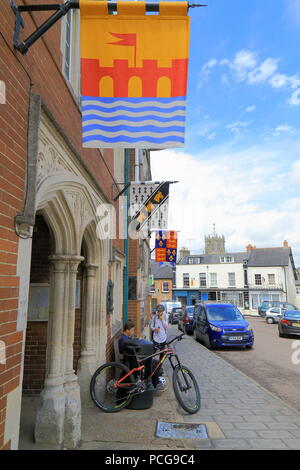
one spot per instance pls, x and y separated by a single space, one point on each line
269 320
208 343
282 335
195 335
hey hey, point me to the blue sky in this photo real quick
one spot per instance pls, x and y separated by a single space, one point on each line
240 168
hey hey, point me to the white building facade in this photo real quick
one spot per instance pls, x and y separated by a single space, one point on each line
245 279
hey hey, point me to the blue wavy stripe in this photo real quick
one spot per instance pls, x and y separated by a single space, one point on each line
120 138
91 107
124 117
93 127
133 100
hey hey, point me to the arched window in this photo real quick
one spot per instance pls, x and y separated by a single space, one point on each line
163 87
106 87
135 87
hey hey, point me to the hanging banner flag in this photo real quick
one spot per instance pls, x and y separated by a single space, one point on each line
151 199
154 208
134 74
166 247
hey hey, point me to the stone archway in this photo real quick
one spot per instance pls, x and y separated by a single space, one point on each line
69 209
92 351
59 417
67 199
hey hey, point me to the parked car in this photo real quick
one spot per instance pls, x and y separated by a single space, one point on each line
220 325
274 314
175 312
186 320
289 324
274 303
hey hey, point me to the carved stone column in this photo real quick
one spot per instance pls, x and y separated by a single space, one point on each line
87 361
49 427
72 428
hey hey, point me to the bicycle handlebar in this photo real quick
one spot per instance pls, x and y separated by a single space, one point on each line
177 338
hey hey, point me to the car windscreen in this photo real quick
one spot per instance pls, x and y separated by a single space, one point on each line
289 306
223 313
292 314
190 311
270 304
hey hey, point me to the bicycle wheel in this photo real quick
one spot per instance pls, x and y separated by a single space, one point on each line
104 392
186 389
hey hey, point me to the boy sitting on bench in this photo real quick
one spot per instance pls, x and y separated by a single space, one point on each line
127 338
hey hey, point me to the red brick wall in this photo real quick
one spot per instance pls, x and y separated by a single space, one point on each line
36 332
159 295
41 250
13 132
39 71
35 358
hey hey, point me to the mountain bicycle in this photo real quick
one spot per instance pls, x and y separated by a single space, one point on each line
114 385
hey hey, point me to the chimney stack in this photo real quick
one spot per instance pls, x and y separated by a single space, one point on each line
285 244
184 252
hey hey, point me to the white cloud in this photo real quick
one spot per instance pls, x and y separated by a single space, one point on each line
205 71
295 98
236 127
279 80
250 109
244 62
211 63
285 129
296 172
282 131
246 67
235 190
206 129
262 73
293 11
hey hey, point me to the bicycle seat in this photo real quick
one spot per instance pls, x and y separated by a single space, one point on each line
133 347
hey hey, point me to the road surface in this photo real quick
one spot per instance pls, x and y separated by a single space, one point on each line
270 362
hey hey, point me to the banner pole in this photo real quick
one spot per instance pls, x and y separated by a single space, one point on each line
126 241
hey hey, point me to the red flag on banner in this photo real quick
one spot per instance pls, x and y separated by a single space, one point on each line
126 39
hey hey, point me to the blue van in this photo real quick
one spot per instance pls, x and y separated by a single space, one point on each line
219 325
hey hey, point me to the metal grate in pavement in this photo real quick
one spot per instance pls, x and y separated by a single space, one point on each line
181 430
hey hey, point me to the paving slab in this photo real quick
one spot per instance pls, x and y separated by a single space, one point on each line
247 411
238 413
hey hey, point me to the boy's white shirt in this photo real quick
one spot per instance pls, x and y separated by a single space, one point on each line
161 336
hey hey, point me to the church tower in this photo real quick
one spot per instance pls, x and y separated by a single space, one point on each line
214 245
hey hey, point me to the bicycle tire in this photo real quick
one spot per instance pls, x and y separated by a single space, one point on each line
178 387
100 384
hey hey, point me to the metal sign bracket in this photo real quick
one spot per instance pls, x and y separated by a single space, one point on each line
60 11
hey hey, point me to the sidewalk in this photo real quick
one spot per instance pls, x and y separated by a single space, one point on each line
238 413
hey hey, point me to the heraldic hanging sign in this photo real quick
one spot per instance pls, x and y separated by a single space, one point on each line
134 74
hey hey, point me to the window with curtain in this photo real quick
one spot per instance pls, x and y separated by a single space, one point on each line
231 279
213 280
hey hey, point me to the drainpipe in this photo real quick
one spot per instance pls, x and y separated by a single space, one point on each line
137 165
286 286
126 242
